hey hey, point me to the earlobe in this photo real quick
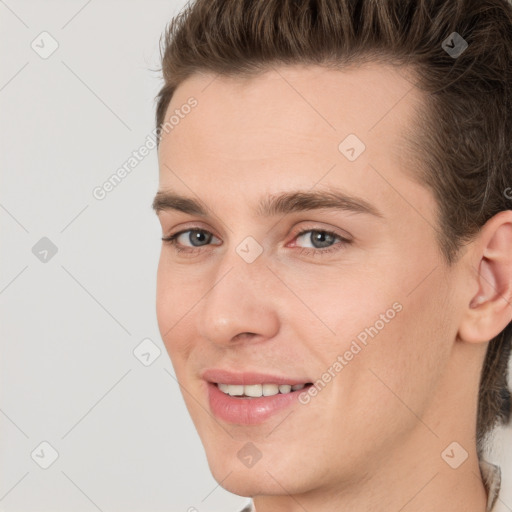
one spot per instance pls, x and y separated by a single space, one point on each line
489 310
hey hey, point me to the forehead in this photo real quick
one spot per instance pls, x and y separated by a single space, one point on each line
309 101
287 124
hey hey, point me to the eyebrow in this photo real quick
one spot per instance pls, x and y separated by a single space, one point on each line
284 203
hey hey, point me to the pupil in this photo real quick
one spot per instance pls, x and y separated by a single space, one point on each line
321 237
197 236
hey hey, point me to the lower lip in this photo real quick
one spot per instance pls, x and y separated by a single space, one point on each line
248 411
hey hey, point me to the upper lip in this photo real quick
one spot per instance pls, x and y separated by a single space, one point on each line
218 375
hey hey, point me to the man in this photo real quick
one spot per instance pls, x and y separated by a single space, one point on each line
335 283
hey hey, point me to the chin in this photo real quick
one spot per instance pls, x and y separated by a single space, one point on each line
248 482
245 487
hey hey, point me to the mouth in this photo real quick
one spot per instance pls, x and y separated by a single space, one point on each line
252 404
259 390
247 398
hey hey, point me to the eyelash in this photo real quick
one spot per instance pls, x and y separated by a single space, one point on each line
308 251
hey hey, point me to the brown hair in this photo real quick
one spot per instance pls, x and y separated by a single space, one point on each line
461 143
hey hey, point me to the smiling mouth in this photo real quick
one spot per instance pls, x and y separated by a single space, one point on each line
259 390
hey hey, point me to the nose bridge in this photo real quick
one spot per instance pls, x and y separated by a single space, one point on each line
238 300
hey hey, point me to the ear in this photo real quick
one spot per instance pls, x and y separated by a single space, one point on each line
489 310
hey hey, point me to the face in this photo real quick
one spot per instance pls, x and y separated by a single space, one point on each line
342 286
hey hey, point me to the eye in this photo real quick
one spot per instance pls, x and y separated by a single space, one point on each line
321 241
196 237
191 241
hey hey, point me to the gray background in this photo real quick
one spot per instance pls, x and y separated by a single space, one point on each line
70 323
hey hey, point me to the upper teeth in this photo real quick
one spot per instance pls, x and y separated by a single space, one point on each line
256 390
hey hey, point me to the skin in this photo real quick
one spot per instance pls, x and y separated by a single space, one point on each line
372 439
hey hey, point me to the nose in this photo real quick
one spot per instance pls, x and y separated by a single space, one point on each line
239 304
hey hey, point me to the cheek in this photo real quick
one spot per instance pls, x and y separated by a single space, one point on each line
393 344
401 366
176 292
342 308
173 301
165 298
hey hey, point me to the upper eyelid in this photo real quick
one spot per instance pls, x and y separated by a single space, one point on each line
315 223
